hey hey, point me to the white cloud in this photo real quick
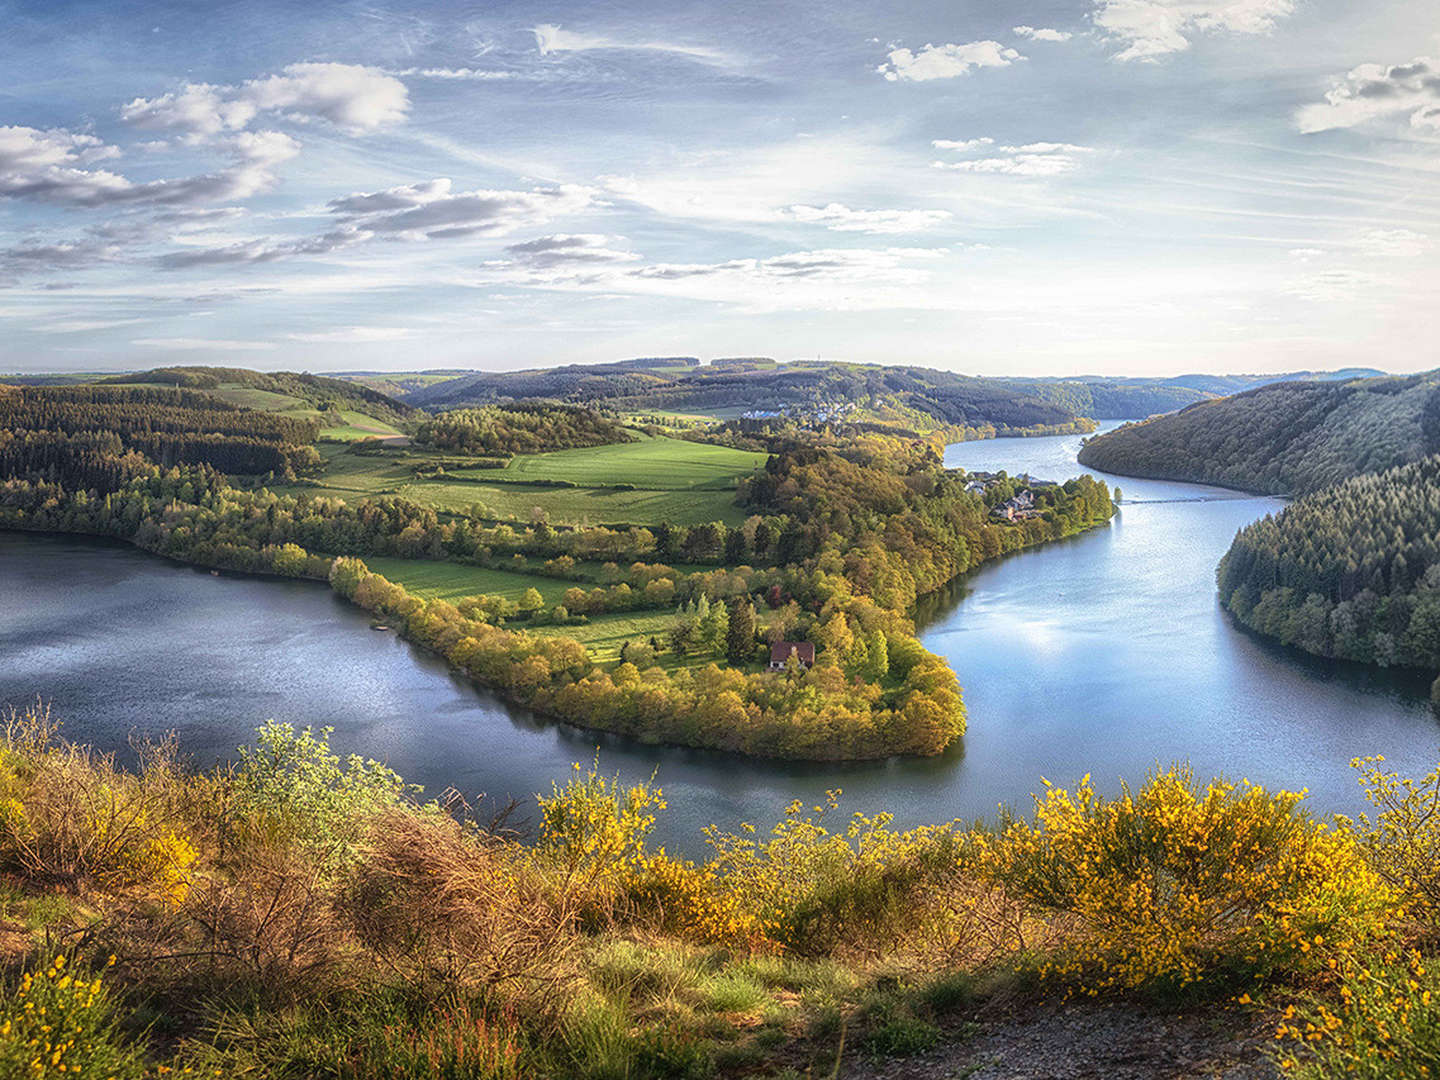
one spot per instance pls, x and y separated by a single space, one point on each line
423 211
83 326
355 98
24 149
1371 91
431 210
854 279
354 335
569 249
962 144
455 74
1149 29
203 344
1042 33
946 61
1028 159
840 218
550 39
1393 243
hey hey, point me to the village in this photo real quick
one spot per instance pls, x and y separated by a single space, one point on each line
1020 505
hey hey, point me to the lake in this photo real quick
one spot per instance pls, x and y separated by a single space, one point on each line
1105 653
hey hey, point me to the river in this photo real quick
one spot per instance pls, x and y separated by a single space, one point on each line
1105 653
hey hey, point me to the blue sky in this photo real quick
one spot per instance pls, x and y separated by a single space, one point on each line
1112 186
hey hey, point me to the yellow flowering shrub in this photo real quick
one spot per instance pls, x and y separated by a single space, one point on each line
58 1023
596 825
813 890
1403 841
1382 1024
1177 882
693 902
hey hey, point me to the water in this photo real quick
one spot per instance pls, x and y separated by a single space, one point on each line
1104 654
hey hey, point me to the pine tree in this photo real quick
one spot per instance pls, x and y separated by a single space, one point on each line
740 634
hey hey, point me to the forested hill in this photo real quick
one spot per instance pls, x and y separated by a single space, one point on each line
317 391
751 383
1285 438
1350 572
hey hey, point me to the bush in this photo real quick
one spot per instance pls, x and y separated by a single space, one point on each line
60 1023
1385 1025
1403 841
1174 883
295 784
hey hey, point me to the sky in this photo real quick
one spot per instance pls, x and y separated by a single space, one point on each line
1046 187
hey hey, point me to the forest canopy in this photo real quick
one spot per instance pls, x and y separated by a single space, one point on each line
1285 438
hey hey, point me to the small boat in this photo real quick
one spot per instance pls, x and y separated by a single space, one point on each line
214 573
378 626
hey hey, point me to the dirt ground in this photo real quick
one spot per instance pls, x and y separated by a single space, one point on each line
1090 1042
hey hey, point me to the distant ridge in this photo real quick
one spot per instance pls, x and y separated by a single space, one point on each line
1283 438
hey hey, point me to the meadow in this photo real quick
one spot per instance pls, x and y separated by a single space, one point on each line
650 480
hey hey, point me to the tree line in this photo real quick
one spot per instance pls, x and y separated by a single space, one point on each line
1351 572
528 428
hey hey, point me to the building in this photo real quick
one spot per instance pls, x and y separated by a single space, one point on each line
1021 506
781 650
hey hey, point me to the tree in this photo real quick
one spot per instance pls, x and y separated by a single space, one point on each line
532 600
740 635
877 662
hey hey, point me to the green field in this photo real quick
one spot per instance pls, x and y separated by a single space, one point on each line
603 634
679 482
659 464
454 581
357 425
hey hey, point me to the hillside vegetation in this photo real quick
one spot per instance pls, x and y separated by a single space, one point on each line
743 384
313 391
832 542
519 429
300 916
1285 438
1352 571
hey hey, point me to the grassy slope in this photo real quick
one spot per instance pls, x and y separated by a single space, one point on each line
603 634
453 581
679 482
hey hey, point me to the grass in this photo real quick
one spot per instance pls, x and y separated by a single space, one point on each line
453 581
675 481
605 634
654 463
356 425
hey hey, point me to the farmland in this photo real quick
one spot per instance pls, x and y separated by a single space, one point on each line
650 480
603 635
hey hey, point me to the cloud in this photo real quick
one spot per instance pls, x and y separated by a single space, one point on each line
1042 33
424 211
26 149
33 176
354 335
841 218
1149 29
1028 159
40 258
1393 243
945 61
568 249
962 144
203 344
355 98
550 39
431 210
455 74
852 279
263 250
1371 91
